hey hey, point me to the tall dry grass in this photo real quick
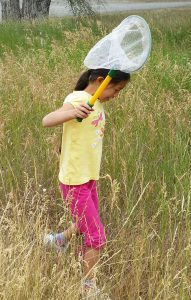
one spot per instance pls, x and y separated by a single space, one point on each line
145 180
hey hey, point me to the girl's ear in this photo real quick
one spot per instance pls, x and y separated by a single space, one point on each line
99 80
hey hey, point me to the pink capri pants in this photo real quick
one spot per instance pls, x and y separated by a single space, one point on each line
83 203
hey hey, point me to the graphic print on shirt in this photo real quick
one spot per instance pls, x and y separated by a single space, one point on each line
99 124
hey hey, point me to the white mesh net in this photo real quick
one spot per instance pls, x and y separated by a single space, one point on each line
126 48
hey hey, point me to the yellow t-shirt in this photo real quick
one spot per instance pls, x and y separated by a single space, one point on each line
81 149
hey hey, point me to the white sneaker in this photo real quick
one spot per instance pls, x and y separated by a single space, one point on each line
90 291
51 241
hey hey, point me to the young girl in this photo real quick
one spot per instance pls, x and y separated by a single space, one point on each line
80 160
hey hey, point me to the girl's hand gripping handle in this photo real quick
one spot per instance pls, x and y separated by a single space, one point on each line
80 119
100 89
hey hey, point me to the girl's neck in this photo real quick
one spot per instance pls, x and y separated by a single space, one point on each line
91 89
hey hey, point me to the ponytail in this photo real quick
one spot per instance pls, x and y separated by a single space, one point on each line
92 74
83 81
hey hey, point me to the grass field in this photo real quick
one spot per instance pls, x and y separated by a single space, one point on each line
145 185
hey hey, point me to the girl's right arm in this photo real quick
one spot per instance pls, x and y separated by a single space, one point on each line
66 113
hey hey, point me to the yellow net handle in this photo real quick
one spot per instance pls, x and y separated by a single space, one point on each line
99 91
101 88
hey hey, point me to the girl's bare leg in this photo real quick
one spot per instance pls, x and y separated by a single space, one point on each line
72 230
91 258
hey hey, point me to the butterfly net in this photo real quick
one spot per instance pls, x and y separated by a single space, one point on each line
126 48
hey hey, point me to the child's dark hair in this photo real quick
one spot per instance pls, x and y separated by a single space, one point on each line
92 74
